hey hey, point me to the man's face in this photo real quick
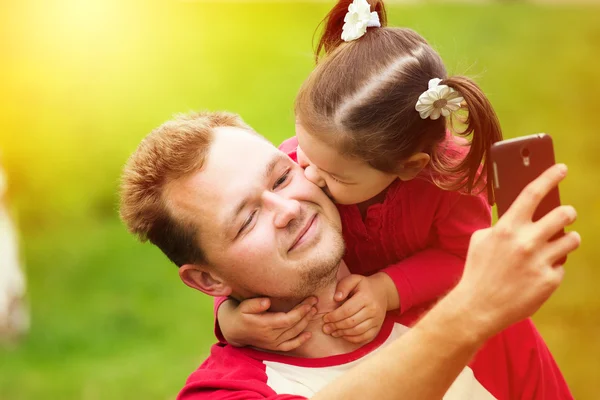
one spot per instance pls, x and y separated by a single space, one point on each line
266 230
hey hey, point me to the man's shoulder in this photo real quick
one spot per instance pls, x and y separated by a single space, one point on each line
227 368
250 373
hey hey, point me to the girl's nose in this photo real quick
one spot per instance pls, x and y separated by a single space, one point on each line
313 174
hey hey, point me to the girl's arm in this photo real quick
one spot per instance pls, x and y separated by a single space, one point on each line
249 323
431 273
417 280
218 334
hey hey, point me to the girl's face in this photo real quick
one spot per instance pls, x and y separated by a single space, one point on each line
345 180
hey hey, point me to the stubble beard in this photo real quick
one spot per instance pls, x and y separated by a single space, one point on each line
324 273
314 274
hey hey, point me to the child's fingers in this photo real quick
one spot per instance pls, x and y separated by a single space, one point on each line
294 343
311 301
283 320
352 321
356 330
346 286
255 306
346 310
297 329
367 336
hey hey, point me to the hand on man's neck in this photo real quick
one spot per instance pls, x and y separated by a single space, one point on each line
320 344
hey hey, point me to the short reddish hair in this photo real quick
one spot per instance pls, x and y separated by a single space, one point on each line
172 151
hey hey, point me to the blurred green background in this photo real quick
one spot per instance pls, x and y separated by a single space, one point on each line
82 82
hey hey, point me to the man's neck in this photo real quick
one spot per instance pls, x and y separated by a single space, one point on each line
321 344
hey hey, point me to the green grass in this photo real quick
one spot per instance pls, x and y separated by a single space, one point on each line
81 88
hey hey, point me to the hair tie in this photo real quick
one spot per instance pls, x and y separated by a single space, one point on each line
438 100
358 19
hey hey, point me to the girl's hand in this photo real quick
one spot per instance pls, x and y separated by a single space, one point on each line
250 324
360 318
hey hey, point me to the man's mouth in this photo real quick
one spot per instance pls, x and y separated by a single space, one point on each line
304 233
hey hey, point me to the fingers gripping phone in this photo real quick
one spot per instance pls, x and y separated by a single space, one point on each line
517 162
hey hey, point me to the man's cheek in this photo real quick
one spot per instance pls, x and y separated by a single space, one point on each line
327 196
311 192
258 248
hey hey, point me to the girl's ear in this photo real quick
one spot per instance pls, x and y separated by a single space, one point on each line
411 167
200 278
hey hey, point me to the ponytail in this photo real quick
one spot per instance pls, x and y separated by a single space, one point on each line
481 122
362 98
331 35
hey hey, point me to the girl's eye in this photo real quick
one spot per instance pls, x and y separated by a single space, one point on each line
282 179
247 222
335 179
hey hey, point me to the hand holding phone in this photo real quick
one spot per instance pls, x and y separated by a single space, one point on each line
516 163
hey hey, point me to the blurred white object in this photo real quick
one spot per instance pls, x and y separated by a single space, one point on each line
14 315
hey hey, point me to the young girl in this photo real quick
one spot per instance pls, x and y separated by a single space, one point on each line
375 130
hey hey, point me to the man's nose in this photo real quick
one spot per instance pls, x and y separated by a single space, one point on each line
313 174
284 209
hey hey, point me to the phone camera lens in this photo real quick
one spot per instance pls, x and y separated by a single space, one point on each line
525 152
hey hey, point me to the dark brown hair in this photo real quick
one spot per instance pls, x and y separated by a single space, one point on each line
361 99
172 151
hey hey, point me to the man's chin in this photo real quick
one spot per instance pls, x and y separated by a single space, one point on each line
322 269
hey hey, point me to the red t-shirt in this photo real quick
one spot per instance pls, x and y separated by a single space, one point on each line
515 364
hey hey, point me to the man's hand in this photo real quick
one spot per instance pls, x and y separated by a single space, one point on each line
360 318
511 268
250 324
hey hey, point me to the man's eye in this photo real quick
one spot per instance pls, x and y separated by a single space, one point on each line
282 179
247 222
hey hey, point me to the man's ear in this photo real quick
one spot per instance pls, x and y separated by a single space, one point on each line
200 278
411 167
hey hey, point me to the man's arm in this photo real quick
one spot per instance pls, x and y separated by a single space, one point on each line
422 364
508 275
